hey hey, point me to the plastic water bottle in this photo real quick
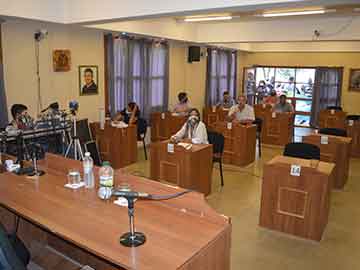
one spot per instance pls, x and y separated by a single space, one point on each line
88 165
106 174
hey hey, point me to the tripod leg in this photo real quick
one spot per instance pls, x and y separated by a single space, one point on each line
68 149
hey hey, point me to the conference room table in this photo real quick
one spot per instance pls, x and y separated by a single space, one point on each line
182 233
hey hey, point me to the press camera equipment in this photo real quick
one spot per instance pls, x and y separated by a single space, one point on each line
74 141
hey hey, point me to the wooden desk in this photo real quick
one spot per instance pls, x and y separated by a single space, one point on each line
278 128
117 145
189 169
211 115
337 151
240 142
261 110
164 125
332 119
183 233
353 131
297 205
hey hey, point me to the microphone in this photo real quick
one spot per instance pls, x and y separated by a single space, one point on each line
105 193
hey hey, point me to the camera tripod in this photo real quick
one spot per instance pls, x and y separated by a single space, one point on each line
75 143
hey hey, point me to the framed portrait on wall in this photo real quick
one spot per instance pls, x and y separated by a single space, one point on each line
61 60
88 80
354 81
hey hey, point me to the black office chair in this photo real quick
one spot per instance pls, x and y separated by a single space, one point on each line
13 253
302 150
333 131
142 129
336 108
353 117
218 141
258 122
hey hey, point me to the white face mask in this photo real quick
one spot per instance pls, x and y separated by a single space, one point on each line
193 120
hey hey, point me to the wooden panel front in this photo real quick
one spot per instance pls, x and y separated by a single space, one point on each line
117 145
278 128
332 119
164 125
353 131
211 115
336 151
296 205
75 216
186 168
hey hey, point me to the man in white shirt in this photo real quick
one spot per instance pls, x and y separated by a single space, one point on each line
241 112
193 129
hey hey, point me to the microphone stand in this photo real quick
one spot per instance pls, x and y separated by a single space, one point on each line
132 238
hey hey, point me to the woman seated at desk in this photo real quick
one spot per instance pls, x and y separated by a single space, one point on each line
183 107
193 129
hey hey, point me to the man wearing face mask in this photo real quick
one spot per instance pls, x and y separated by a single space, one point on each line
241 112
193 129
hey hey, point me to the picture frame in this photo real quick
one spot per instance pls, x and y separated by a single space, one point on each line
61 60
88 80
354 80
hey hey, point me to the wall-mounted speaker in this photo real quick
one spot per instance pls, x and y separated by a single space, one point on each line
194 54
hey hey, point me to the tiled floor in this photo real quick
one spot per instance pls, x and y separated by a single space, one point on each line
254 248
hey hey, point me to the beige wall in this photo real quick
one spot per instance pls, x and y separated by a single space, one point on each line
87 48
350 100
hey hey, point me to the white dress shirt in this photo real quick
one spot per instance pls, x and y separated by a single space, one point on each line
246 114
199 133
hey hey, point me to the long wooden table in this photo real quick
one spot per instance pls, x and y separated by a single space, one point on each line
336 150
164 125
117 145
191 169
297 205
183 233
240 142
277 128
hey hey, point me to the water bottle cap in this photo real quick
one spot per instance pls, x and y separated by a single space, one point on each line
106 163
87 154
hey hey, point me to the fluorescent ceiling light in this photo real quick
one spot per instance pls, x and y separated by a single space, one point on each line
204 19
294 13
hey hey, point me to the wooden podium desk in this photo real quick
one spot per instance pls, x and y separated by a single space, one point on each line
117 145
214 114
332 119
164 125
353 131
278 128
336 151
297 205
190 169
240 142
183 233
261 110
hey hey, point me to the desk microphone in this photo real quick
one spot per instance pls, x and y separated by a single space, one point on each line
105 193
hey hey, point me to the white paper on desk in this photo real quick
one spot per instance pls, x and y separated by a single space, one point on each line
351 123
324 140
332 111
187 146
120 124
229 125
170 148
273 115
102 118
162 116
75 186
295 170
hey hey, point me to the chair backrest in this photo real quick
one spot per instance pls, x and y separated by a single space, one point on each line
336 108
333 131
9 260
353 117
258 122
302 150
83 130
94 151
217 140
141 128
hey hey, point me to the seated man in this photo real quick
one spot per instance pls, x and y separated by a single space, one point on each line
272 99
131 116
183 107
193 129
227 101
241 112
21 119
283 106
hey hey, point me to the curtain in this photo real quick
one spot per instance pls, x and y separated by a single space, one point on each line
220 75
327 91
3 106
140 69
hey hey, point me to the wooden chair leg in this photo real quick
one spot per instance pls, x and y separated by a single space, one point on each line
221 173
145 152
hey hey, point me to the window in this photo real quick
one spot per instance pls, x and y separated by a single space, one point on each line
140 74
296 83
221 75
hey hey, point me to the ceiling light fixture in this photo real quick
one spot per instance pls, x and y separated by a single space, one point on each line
294 13
205 19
